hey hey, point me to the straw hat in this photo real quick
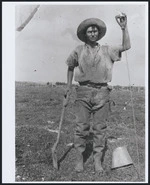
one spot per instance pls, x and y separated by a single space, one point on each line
91 22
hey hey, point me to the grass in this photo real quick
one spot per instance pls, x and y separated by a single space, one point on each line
38 109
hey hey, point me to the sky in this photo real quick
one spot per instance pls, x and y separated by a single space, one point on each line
43 46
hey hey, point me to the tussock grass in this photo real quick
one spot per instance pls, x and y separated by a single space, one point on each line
38 109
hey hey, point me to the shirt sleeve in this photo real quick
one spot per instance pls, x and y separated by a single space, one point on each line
72 60
114 53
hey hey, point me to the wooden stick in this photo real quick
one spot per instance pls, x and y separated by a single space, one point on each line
54 153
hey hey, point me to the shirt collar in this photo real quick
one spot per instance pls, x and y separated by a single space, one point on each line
96 46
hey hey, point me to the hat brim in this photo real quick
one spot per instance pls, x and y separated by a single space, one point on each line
91 22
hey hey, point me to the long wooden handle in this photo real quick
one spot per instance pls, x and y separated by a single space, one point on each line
60 124
61 121
54 153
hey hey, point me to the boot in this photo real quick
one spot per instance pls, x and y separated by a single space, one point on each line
79 163
97 162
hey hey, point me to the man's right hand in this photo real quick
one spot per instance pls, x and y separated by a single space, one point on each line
66 96
65 102
67 91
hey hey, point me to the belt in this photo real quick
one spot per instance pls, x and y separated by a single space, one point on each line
92 84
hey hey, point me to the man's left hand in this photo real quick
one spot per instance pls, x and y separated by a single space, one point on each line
121 20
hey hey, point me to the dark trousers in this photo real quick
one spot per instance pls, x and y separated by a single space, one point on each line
91 101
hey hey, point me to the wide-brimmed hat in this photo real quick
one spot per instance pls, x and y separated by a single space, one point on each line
81 30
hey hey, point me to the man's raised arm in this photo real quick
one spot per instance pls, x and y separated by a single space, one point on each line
122 21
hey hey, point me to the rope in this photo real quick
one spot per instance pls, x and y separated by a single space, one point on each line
138 171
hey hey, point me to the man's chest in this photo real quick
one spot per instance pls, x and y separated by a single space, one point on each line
94 58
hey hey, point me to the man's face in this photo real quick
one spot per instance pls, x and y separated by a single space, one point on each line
92 33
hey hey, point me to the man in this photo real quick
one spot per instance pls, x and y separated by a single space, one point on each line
93 65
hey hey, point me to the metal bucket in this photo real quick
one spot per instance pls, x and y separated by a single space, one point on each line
121 157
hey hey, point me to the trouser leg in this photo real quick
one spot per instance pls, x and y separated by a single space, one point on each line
81 132
99 131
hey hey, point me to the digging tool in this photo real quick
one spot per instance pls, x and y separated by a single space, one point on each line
54 153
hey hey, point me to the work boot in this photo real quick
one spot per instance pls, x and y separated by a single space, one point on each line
97 162
79 163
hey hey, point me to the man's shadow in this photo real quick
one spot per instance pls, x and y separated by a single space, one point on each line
89 148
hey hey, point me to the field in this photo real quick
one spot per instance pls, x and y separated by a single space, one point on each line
38 110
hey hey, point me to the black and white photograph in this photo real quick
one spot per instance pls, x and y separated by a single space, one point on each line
75 92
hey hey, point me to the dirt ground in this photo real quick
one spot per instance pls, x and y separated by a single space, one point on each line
38 110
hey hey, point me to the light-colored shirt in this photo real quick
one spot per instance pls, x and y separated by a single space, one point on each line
93 64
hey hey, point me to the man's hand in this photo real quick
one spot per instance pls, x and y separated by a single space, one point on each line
68 91
122 20
66 96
